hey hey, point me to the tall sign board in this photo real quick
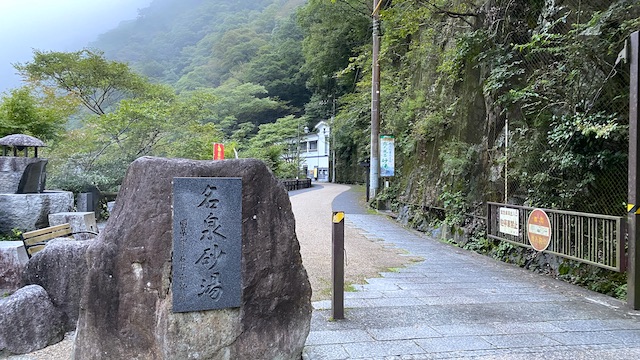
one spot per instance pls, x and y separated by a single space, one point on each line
207 243
387 155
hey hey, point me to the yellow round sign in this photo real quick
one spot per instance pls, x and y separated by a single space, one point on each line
539 230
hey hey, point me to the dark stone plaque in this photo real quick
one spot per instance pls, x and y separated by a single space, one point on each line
207 243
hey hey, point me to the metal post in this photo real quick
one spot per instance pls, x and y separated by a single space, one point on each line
506 160
375 104
337 265
368 173
633 269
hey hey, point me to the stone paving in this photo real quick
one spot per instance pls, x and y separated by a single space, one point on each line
458 304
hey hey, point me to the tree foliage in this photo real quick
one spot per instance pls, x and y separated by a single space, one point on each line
95 81
277 145
334 32
23 112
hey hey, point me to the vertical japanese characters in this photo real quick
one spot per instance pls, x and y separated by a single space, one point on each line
211 239
207 243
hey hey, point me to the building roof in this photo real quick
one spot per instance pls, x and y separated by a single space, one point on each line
21 140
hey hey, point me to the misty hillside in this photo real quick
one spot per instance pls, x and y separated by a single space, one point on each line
197 43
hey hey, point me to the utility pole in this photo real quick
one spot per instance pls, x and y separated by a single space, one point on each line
374 170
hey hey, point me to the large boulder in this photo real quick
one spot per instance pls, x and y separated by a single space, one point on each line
28 321
30 211
13 260
126 308
60 268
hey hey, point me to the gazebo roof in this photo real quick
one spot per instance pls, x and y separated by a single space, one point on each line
21 140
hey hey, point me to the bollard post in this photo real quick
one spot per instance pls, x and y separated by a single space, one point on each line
337 265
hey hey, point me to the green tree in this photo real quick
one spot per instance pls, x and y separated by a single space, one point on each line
100 151
22 112
240 103
95 81
277 145
129 117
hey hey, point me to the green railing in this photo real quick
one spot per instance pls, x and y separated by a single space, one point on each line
589 238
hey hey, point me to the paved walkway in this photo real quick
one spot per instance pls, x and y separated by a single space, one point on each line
458 304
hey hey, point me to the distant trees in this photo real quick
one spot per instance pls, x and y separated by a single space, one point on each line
278 66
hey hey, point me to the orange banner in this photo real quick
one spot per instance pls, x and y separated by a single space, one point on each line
218 151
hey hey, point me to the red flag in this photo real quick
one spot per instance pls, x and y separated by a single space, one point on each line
218 151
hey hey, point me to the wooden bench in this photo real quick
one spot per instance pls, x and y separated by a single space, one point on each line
36 240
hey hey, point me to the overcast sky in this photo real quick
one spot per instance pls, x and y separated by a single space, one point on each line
59 25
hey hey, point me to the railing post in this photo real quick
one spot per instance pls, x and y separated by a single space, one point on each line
489 220
633 270
337 265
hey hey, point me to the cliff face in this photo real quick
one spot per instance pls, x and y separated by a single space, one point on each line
507 101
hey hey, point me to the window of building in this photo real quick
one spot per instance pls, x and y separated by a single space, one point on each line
313 145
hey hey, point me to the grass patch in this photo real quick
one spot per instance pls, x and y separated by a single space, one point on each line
349 288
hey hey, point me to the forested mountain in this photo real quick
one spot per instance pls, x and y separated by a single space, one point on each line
203 43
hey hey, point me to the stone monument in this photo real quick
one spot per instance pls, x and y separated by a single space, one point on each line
24 203
127 309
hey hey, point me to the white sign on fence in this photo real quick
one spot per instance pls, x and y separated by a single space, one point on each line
509 221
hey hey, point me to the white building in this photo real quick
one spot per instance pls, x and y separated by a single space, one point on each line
314 152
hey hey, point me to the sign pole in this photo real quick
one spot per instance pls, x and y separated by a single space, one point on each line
633 270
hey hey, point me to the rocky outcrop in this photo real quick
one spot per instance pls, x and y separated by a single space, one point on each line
30 211
28 321
126 308
60 269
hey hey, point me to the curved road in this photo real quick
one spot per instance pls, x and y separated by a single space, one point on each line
365 258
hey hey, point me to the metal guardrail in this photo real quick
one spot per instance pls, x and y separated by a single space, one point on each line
296 184
589 238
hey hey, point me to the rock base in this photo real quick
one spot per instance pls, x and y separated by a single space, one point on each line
28 212
126 308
